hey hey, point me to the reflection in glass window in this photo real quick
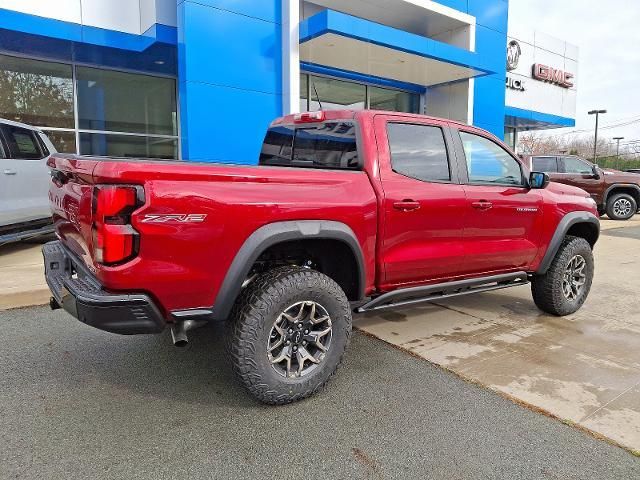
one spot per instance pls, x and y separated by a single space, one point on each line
336 94
487 162
100 144
331 145
126 102
35 92
65 142
304 93
393 100
418 151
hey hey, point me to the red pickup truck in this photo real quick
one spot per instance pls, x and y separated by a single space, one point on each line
347 211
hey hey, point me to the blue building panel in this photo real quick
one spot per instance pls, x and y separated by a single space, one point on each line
230 77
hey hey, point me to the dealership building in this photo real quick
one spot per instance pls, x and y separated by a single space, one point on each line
201 80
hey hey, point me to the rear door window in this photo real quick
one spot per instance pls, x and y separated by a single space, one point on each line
545 164
331 145
419 151
23 144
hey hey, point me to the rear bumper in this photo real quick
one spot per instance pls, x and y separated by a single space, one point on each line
78 291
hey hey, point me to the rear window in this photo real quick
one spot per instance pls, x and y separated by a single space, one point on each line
23 143
545 164
331 145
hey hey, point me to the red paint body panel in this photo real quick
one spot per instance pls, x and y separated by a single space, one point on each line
183 264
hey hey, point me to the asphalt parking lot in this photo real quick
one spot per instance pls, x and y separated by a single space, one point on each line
79 403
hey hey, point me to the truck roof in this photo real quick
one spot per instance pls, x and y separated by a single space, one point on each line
18 124
352 114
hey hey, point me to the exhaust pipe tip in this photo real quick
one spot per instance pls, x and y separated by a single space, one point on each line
179 335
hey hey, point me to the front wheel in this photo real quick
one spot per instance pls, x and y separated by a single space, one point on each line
289 331
566 285
621 206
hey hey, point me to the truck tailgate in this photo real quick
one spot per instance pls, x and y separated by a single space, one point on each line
70 196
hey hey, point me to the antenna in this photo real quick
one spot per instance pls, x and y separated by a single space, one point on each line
317 96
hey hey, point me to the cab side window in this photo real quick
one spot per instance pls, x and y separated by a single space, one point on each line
23 144
545 164
419 152
488 163
576 166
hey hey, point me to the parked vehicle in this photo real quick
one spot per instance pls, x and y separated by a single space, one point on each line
24 182
616 193
347 210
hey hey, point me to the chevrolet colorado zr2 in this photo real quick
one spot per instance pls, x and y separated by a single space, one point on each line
346 212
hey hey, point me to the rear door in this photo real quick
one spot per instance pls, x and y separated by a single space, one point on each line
423 204
503 216
24 176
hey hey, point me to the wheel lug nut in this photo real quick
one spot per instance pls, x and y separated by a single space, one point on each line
295 348
306 332
288 342
299 325
291 330
304 343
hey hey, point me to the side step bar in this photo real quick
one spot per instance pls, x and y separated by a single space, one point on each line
430 293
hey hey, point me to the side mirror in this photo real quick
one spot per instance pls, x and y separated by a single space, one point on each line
596 172
538 180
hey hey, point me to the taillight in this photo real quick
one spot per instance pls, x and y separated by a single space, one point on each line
114 239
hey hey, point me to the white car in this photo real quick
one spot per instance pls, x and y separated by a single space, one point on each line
24 182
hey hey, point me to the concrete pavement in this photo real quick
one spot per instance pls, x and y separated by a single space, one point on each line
584 369
76 403
22 275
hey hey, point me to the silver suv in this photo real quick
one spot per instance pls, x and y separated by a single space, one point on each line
24 182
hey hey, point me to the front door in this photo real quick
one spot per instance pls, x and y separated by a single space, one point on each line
579 173
423 204
503 216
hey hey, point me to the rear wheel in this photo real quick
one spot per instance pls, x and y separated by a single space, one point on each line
289 331
566 285
621 206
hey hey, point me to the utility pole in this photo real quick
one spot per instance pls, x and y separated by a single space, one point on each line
618 149
597 113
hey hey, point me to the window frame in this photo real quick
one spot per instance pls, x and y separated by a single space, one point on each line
464 166
308 126
448 150
562 159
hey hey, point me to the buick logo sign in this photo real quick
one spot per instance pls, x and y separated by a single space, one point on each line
513 55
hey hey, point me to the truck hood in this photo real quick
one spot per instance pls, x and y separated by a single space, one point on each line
562 189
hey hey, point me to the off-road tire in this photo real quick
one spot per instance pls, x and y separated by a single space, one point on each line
547 289
621 197
253 317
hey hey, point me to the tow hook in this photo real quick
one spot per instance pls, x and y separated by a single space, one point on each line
179 331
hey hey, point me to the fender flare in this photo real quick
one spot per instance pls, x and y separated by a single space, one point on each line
272 234
565 224
619 185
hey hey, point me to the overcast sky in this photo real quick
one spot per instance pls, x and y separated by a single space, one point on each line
608 35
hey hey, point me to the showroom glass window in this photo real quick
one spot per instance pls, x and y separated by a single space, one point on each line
38 93
118 113
336 94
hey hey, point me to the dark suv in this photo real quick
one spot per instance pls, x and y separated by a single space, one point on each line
616 193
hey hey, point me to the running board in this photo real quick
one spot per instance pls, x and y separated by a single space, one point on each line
431 293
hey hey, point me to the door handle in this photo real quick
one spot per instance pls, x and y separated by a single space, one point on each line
482 205
406 205
10 172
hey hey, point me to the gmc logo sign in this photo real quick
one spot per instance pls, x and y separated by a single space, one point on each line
551 75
